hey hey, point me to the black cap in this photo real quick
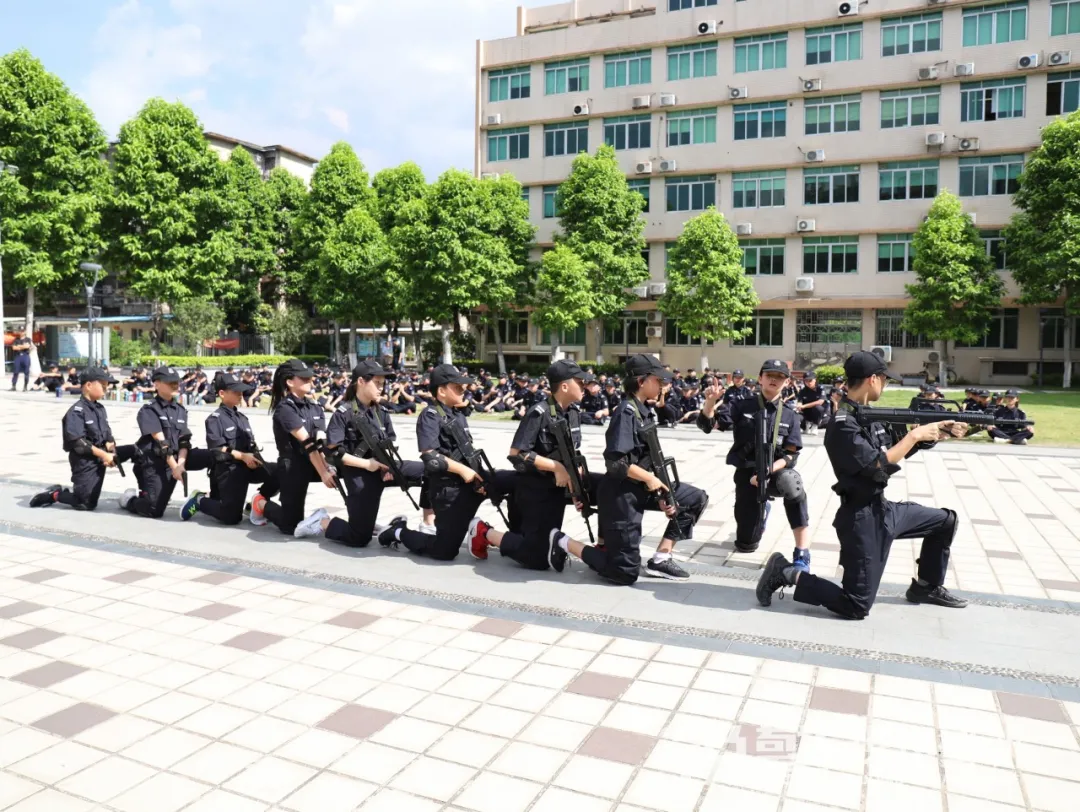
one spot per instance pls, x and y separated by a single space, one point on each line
774 365
295 368
810 376
1011 393
862 365
370 368
165 375
643 364
566 369
738 373
229 382
91 374
448 373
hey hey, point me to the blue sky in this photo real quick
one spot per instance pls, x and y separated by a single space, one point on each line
394 78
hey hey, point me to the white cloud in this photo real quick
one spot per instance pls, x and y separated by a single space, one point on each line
338 117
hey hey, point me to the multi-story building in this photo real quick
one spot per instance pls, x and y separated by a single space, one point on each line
821 129
266 158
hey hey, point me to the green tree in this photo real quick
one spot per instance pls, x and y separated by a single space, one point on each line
195 321
50 213
708 293
564 294
1043 239
289 328
252 222
957 288
168 220
600 220
286 194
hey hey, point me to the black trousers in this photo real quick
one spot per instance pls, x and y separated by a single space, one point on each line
537 508
622 505
747 509
156 485
1012 435
365 489
229 486
21 366
592 420
294 474
812 417
88 477
866 535
455 504
667 414
401 408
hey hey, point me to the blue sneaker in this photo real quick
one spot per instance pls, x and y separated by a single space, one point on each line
800 560
191 506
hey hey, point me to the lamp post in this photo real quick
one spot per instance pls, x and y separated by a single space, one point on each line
95 269
11 170
1042 343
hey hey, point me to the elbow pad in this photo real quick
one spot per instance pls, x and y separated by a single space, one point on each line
163 450
618 469
790 457
311 445
434 462
222 456
523 463
184 442
334 455
82 448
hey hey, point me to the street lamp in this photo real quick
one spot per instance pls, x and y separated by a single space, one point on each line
1042 343
95 269
11 170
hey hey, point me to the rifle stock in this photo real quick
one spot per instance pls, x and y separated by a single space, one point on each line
383 451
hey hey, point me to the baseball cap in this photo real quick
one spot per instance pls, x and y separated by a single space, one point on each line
91 374
774 365
644 364
370 368
448 373
810 376
165 375
295 368
229 382
738 373
1012 393
564 370
860 365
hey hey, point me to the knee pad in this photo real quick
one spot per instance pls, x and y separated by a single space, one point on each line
789 485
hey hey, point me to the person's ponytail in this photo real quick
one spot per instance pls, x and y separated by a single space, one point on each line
278 390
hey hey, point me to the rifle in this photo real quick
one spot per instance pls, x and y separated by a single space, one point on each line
383 450
764 456
663 467
574 463
867 415
183 480
477 459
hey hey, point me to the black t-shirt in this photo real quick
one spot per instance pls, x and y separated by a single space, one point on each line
808 395
744 440
433 431
166 416
291 414
21 347
624 433
342 431
88 420
537 432
229 428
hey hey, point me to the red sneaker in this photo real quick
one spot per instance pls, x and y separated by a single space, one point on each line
477 538
258 504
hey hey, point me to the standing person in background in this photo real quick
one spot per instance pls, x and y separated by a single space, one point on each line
21 348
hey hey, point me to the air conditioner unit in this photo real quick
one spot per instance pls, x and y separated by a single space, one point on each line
657 289
935 139
883 352
644 168
926 74
641 291
936 2
737 92
1059 58
668 166
641 101
847 9
964 69
668 100
1027 62
654 332
804 224
494 120
811 85
489 176
653 317
804 284
581 109
706 27
814 156
933 357
744 229
968 144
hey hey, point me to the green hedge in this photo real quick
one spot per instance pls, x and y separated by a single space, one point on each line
828 373
536 368
221 361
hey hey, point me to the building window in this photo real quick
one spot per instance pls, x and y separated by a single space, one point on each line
1064 17
995 248
1063 92
914 34
691 193
566 338
1005 22
765 52
691 61
763 257
760 120
508 83
628 330
641 186
568 138
830 332
990 175
758 190
571 76
895 253
525 193
514 330
768 330
679 5
508 145
890 332
136 334
910 108
830 254
908 180
993 99
691 127
833 114
1003 333
633 68
550 208
830 184
833 43
628 132
1053 333
674 337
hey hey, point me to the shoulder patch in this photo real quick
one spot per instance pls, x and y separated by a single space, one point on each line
342 409
840 418
540 408
213 414
76 408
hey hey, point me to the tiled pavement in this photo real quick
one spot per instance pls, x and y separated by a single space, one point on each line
138 684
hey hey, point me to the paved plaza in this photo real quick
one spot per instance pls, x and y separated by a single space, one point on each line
156 665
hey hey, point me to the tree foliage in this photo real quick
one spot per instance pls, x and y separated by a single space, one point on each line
564 296
356 281
251 221
399 201
285 197
195 321
289 328
708 292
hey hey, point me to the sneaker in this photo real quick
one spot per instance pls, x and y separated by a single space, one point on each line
773 579
46 497
191 506
937 595
257 516
378 529
557 556
1000 440
427 529
476 538
800 560
666 569
312 525
1020 441
126 498
387 538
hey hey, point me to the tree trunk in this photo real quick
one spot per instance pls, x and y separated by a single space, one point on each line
156 330
556 352
943 364
352 344
704 360
499 348
35 361
1066 378
447 350
417 342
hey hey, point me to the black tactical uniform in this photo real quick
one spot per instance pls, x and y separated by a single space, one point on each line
813 415
1018 435
591 403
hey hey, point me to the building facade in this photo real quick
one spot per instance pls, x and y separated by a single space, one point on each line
821 129
266 158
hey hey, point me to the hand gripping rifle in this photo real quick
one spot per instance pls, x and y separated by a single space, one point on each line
383 450
576 466
477 459
663 467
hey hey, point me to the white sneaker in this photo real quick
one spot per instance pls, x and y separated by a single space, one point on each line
1000 440
429 529
312 525
126 498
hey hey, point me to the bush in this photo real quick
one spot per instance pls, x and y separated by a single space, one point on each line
127 352
829 373
536 368
220 361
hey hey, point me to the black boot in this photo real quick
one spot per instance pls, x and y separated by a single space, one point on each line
937 595
47 497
